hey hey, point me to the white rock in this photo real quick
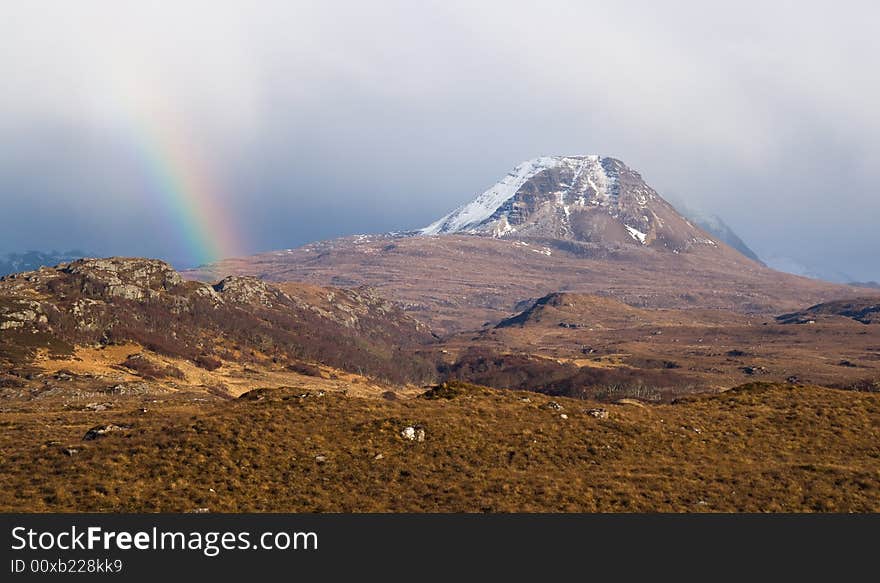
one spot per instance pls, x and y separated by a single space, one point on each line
413 433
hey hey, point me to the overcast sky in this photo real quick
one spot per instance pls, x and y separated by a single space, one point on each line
320 119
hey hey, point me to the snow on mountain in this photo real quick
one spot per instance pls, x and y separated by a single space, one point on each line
592 180
636 234
593 199
477 211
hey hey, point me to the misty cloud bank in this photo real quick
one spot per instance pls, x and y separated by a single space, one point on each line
321 120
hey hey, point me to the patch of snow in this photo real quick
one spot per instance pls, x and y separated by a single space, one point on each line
502 228
636 234
598 180
589 181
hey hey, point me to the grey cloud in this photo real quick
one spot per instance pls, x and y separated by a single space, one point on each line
323 119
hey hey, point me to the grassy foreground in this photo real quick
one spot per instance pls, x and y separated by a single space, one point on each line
760 447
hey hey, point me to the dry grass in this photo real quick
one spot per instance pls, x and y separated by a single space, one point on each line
759 448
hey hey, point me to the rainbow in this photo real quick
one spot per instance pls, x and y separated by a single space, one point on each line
182 181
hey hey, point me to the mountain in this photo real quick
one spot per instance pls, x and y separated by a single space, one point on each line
585 224
126 387
715 226
808 269
718 228
591 199
30 260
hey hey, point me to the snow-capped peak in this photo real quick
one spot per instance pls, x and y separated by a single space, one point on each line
588 199
471 215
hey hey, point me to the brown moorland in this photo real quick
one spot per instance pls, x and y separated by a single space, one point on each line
598 347
759 447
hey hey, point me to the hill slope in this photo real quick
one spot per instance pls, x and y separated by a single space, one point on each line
721 231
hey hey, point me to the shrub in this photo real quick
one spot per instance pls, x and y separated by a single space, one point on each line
304 368
148 369
208 362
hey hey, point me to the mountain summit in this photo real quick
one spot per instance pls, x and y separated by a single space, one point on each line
593 199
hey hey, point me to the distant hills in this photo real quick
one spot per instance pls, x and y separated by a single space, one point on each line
31 260
715 226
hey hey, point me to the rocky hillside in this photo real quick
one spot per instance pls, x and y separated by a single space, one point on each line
117 300
587 345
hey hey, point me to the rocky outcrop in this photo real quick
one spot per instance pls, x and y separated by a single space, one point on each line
131 279
247 290
103 431
598 413
19 313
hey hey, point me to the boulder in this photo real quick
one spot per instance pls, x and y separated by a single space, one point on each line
245 290
412 433
103 431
